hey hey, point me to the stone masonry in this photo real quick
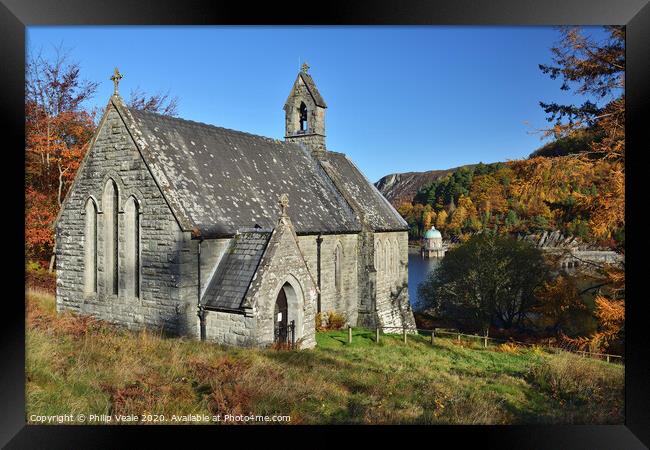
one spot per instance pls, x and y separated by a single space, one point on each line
164 247
201 231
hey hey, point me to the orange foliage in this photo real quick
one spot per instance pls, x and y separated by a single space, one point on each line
55 147
40 212
557 298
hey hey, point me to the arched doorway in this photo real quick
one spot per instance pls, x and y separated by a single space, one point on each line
288 313
281 317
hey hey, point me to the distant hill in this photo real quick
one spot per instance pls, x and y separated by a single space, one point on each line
402 187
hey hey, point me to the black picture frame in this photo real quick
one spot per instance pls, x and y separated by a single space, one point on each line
16 15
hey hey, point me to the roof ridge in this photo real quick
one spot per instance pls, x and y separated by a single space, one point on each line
208 125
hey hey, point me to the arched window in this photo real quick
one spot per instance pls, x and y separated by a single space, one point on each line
387 254
379 257
303 117
110 203
396 257
338 261
132 247
90 247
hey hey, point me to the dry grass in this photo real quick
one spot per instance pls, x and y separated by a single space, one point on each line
83 365
577 382
508 347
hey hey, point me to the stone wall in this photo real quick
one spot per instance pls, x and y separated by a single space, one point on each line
391 299
366 279
163 246
230 329
345 299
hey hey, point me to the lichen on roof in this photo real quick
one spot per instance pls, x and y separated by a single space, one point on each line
218 181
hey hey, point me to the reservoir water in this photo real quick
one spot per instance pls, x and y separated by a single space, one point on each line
419 269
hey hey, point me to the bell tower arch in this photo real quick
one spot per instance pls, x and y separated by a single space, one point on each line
305 113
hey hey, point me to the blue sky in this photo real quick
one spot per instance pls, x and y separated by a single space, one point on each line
399 98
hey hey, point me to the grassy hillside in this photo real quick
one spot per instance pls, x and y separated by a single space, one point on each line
81 365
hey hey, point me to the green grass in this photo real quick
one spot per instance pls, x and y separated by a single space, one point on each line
80 365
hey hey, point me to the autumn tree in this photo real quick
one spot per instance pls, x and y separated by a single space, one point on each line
609 312
490 279
428 216
592 68
596 69
441 220
558 300
57 129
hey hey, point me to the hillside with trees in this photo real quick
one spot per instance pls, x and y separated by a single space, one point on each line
574 184
399 188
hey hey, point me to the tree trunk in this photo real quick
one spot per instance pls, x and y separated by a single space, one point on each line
51 267
58 197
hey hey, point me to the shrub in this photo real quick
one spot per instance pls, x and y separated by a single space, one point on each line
508 347
537 350
335 321
329 321
320 322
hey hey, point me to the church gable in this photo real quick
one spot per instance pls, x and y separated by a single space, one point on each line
283 271
304 79
116 230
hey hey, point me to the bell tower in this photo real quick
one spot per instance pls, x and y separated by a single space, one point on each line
305 113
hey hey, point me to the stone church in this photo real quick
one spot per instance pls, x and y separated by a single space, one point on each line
227 236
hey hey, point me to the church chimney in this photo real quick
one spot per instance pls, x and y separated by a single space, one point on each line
305 113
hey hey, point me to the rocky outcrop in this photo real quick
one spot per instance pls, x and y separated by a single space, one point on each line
575 252
557 240
402 187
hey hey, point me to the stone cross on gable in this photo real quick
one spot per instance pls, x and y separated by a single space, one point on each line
305 67
284 204
117 76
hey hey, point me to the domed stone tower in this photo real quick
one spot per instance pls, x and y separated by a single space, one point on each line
432 244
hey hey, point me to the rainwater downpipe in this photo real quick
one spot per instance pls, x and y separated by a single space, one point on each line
319 241
201 310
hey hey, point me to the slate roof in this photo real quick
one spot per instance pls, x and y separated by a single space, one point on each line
311 86
219 181
229 284
377 211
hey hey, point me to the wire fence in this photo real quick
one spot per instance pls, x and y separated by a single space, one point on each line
486 340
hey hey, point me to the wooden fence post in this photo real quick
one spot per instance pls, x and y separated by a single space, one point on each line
433 334
377 335
607 358
404 335
459 338
349 334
